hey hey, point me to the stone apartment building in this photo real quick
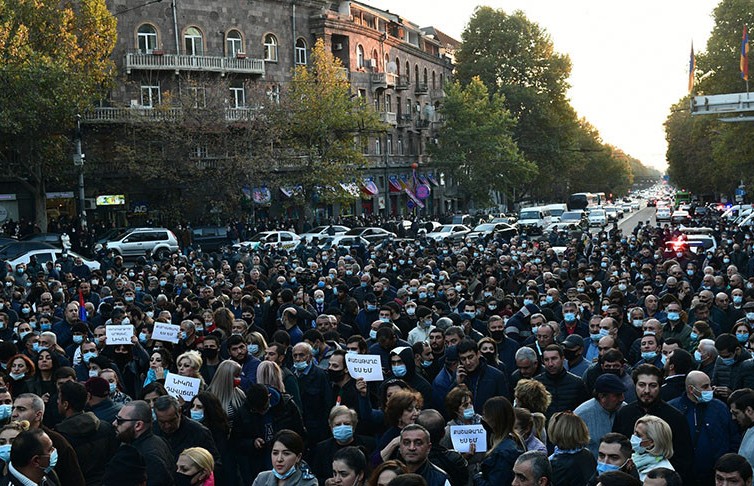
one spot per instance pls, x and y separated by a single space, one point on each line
248 49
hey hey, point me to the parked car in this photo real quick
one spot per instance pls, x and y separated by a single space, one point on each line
534 219
663 213
505 230
268 239
136 242
323 231
50 254
15 249
371 234
342 241
49 238
450 232
210 238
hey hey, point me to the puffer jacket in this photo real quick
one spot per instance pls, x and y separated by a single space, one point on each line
94 441
731 376
567 390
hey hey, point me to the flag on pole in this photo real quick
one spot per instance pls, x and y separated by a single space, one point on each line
82 306
692 68
744 64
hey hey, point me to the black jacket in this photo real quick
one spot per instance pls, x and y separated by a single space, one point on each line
486 382
573 469
683 453
68 469
315 388
567 390
433 475
190 434
94 442
320 457
673 387
158 457
453 463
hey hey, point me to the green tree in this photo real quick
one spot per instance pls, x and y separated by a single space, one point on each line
516 58
475 143
54 63
321 125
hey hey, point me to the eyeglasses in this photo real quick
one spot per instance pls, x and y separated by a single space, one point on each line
121 420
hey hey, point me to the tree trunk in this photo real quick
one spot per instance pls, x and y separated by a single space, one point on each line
40 205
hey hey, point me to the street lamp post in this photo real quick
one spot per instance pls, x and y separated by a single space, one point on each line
78 161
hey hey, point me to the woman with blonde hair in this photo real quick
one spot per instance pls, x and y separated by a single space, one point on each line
195 466
256 345
269 373
652 443
572 463
224 387
189 363
530 427
7 434
532 395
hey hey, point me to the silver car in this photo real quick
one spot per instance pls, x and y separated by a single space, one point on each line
137 241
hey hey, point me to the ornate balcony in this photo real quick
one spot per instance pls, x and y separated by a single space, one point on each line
178 63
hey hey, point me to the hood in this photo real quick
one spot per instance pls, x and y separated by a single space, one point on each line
81 424
407 355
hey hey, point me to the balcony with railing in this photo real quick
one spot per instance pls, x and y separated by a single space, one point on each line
160 113
402 82
437 94
421 89
388 117
179 62
404 120
383 80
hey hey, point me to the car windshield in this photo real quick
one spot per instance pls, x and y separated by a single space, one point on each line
597 213
485 227
445 229
528 215
260 237
570 216
318 229
354 231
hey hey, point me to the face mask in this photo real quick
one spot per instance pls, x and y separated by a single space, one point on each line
150 314
113 388
139 288
694 336
78 339
548 299
17 376
750 316
88 355
737 299
742 338
53 461
342 433
93 373
534 329
197 415
5 453
125 321
637 322
698 356
604 332
674 316
426 363
163 283
372 334
385 319
595 337
23 334
649 355
588 279
528 302
636 444
569 316
459 289
603 467
371 308
5 411
726 260
143 337
319 300
705 396
580 290
321 285
286 475
399 370
728 361
411 310
622 287
128 298
468 413
253 348
300 365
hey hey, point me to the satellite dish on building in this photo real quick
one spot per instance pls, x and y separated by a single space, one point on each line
392 68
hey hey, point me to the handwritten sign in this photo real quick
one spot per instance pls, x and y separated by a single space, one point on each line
166 332
116 335
181 386
463 436
367 366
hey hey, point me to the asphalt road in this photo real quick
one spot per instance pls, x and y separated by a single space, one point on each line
629 222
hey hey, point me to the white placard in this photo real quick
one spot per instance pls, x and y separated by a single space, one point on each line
166 332
463 436
367 366
117 335
181 386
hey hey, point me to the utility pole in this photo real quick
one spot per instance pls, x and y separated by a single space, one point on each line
78 161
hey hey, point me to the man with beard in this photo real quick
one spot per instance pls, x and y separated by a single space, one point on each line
648 380
133 425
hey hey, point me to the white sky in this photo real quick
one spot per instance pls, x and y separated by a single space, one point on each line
630 59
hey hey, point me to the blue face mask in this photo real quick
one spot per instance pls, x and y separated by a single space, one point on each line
288 474
737 299
595 337
705 396
636 444
197 415
649 355
528 301
548 299
399 370
5 411
5 453
569 316
253 348
53 461
674 316
342 433
468 413
603 467
300 365
742 338
89 355
728 361
426 364
373 334
371 308
698 356
143 337
694 336
78 339
46 326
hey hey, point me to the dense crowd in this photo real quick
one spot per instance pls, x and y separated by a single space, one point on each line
616 359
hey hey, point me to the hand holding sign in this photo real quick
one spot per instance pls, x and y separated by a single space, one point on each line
181 386
117 335
366 366
463 436
166 332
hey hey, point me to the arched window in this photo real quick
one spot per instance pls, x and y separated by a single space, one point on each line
408 72
300 51
442 81
375 60
397 66
233 43
360 56
147 39
270 48
434 81
192 40
424 80
416 73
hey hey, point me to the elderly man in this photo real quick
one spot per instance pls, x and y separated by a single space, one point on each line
527 366
316 392
705 356
713 432
599 412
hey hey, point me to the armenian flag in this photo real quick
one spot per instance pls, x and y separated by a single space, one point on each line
744 64
692 68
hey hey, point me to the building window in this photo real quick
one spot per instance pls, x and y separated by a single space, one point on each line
237 96
377 146
199 152
359 56
364 145
390 145
397 66
198 97
233 43
408 72
388 103
193 41
273 93
300 51
433 80
375 62
400 145
425 77
270 48
147 38
416 74
150 96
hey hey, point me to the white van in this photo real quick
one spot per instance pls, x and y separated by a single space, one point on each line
734 211
534 218
556 210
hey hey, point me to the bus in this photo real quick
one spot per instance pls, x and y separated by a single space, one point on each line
682 197
584 201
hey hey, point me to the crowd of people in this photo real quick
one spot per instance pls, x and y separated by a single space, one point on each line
617 360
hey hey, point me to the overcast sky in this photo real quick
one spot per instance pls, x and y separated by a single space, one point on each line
630 59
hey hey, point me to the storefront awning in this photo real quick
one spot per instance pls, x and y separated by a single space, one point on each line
395 185
370 187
